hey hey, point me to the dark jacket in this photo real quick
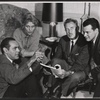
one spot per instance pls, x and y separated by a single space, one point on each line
96 51
9 74
78 59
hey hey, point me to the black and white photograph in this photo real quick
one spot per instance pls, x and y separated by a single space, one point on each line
49 50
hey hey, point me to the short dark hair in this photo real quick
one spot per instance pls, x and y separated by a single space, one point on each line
93 22
72 20
5 43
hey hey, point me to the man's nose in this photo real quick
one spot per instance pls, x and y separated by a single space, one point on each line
85 34
69 31
18 50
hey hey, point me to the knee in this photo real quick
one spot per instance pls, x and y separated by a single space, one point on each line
75 78
55 60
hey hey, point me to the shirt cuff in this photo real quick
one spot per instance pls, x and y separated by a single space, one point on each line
30 69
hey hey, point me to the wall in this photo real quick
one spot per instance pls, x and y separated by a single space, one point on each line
28 5
95 10
70 9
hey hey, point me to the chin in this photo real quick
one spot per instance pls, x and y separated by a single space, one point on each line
88 40
16 57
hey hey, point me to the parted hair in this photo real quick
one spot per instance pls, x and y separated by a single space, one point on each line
5 43
93 22
72 20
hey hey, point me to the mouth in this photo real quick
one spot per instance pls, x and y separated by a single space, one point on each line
17 55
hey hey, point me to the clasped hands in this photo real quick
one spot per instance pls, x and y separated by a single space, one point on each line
38 56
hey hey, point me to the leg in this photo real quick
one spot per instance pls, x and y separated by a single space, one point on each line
15 91
96 78
29 87
97 90
72 81
32 87
52 81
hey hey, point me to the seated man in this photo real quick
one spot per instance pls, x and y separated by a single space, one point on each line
91 30
73 57
18 81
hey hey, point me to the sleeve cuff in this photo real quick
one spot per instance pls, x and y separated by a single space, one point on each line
30 69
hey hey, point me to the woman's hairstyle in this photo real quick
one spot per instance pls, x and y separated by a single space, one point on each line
30 18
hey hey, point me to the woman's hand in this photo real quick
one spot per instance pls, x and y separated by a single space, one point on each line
39 56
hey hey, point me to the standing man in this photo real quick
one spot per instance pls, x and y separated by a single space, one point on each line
91 31
17 81
72 55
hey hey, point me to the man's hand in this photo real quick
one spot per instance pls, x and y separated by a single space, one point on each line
39 56
64 74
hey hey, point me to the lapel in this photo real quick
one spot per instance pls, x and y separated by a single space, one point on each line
96 44
6 60
68 48
74 48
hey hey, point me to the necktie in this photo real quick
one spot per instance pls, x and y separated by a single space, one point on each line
72 45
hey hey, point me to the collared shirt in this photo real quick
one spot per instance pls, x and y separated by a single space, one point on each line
9 59
16 65
74 41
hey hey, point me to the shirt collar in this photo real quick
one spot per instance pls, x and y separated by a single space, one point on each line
74 40
9 58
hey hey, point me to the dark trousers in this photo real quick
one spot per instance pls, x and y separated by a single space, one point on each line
96 76
28 88
69 82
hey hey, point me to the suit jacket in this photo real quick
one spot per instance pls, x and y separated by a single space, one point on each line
96 52
9 74
78 59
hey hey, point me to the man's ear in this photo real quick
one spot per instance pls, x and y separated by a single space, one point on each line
97 30
5 50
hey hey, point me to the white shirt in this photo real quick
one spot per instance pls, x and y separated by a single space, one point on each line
74 41
9 58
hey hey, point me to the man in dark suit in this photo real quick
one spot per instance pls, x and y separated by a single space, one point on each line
18 81
91 31
73 58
